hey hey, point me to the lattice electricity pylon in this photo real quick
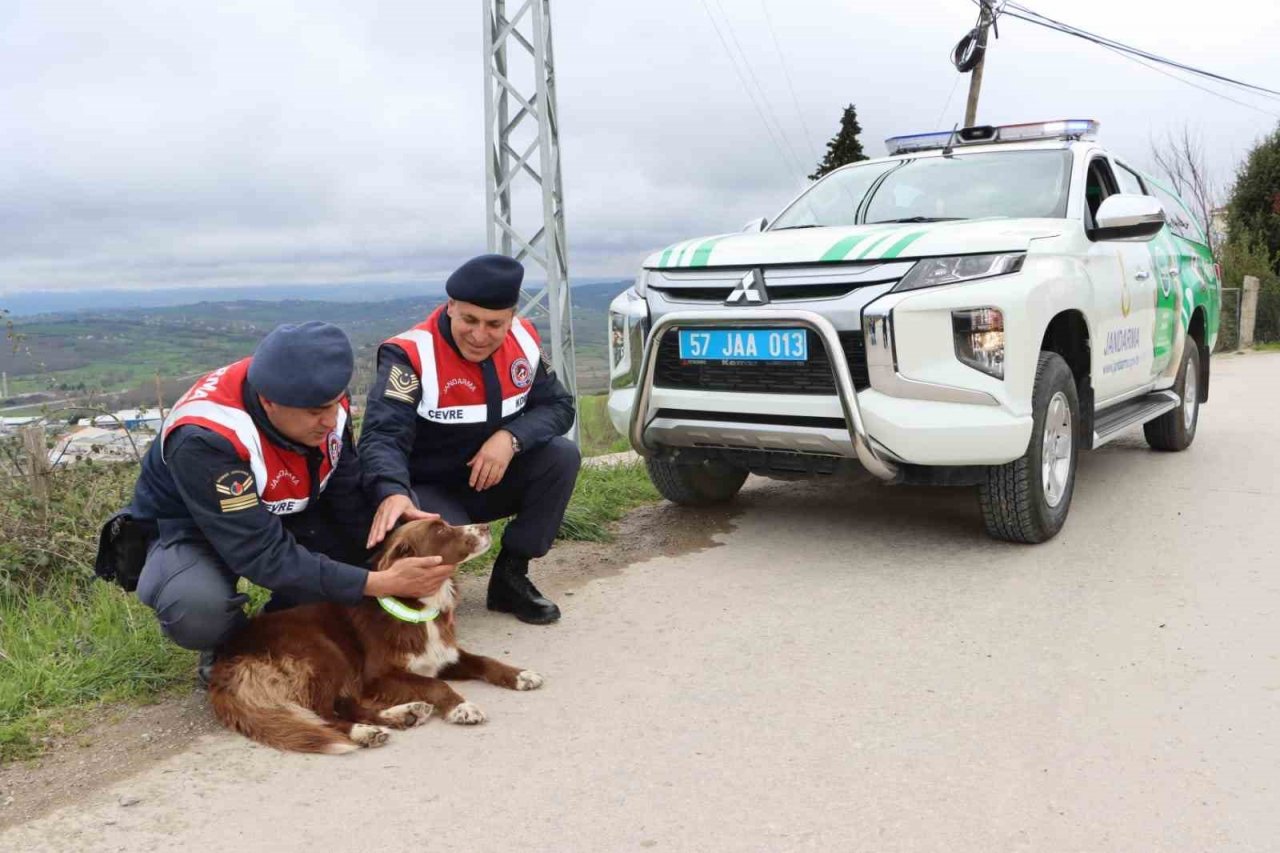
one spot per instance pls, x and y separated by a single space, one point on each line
522 151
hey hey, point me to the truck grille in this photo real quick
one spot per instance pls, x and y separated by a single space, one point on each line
810 377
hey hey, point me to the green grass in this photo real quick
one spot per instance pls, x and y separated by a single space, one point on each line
71 645
597 433
68 643
1267 346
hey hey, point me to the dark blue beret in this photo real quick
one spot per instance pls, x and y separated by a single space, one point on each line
490 281
304 365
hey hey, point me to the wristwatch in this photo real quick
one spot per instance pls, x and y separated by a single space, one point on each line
515 443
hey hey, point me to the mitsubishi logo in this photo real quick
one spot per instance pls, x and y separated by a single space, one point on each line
751 288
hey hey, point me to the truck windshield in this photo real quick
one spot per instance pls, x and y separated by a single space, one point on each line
965 186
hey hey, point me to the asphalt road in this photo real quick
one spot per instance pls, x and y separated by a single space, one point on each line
851 667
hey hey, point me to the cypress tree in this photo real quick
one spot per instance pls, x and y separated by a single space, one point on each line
844 147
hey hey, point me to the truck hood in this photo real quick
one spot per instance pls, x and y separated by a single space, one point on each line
856 243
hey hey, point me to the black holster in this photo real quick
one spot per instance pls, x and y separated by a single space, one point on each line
122 549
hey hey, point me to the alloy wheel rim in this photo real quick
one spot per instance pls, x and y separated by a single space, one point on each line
1055 450
1190 395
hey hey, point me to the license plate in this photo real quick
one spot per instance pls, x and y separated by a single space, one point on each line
728 345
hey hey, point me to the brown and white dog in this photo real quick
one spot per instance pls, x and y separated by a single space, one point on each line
327 678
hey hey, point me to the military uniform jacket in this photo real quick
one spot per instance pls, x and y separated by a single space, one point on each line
430 409
219 470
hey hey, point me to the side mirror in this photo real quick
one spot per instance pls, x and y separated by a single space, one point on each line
756 225
1133 218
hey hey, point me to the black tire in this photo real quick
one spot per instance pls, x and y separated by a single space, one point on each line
700 484
1017 506
1175 430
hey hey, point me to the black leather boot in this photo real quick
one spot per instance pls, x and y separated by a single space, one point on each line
204 669
511 591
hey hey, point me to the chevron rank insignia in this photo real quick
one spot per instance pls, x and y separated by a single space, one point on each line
235 491
401 385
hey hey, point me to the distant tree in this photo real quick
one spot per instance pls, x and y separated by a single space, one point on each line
1255 200
1181 157
844 148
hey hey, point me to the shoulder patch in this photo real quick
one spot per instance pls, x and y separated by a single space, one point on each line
235 491
402 384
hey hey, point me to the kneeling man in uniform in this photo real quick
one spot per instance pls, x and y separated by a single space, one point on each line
254 475
466 419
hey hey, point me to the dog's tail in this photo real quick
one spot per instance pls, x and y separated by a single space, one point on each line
271 718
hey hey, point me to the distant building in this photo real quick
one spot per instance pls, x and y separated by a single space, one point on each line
92 442
1218 225
11 425
132 419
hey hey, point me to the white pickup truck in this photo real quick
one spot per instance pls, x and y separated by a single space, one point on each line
975 309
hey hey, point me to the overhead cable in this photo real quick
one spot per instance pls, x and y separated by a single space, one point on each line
1017 10
790 162
814 151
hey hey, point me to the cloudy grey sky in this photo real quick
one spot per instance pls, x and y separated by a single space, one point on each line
146 143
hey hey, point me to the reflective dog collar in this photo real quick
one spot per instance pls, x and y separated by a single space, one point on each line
404 613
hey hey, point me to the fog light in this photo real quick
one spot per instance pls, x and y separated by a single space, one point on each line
979 335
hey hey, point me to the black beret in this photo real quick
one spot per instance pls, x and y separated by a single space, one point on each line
304 365
489 281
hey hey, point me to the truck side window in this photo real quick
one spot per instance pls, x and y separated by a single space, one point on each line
1099 183
1130 183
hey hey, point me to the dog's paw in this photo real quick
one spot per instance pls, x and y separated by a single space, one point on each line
466 714
408 715
528 680
368 736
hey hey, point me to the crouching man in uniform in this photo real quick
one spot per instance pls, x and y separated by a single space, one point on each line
466 420
255 475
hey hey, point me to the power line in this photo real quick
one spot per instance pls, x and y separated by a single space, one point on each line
747 88
814 151
1170 74
1033 17
764 98
938 124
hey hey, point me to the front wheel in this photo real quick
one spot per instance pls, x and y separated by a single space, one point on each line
1175 430
1027 500
700 484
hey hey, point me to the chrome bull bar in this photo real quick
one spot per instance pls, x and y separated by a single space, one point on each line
763 317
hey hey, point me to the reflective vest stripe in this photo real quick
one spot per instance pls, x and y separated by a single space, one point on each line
237 420
424 341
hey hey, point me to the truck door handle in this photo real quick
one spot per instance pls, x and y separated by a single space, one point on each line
1142 275
1173 270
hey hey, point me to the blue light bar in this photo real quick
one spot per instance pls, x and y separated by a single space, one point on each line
917 142
1074 128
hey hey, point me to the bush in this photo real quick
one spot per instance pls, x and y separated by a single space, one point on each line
41 544
1244 254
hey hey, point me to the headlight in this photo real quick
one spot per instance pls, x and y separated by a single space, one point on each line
979 338
932 272
628 326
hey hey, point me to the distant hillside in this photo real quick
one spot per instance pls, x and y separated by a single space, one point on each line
120 350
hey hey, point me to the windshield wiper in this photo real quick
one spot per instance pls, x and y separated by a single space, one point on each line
794 227
918 219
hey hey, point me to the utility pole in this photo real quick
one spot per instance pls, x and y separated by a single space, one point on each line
985 19
159 396
522 152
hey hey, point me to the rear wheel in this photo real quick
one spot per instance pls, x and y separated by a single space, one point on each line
1176 429
698 484
1027 500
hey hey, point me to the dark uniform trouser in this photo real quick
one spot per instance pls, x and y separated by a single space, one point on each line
193 591
535 489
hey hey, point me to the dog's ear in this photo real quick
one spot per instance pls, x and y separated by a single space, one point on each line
394 549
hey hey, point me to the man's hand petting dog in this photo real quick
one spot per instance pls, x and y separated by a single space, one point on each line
390 511
410 577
